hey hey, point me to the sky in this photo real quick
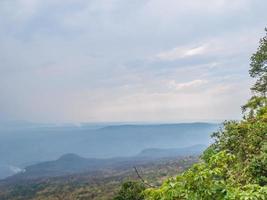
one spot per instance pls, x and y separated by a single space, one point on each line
127 61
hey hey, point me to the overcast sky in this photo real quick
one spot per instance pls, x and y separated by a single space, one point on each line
135 60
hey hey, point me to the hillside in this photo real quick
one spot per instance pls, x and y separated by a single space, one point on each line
94 185
30 144
154 153
71 164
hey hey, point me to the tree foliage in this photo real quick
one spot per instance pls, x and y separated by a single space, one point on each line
258 67
235 166
131 190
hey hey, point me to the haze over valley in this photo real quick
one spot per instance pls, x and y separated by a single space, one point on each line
21 146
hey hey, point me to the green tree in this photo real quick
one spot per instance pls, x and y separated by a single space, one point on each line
131 190
258 67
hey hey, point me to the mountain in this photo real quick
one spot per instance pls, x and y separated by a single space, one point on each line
73 164
27 145
91 185
161 153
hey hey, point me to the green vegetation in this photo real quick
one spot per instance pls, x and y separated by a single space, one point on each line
99 185
235 166
131 190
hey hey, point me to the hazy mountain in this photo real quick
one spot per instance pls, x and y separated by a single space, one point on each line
20 147
72 163
161 153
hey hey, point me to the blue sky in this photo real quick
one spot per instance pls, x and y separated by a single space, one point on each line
136 60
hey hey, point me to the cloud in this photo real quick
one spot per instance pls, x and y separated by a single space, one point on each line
181 52
79 60
217 102
187 85
15 169
228 45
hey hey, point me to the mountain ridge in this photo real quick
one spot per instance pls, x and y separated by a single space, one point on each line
71 163
21 147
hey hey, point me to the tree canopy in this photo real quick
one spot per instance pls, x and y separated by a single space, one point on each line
131 190
258 67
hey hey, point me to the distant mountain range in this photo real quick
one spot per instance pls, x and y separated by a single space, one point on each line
163 153
73 164
26 145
